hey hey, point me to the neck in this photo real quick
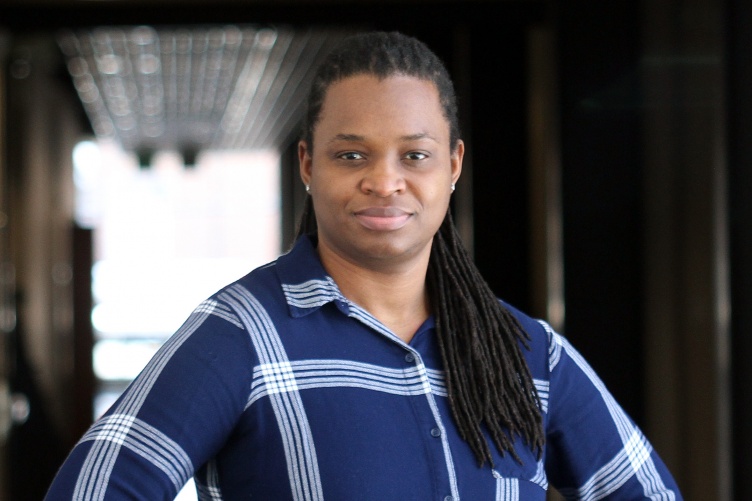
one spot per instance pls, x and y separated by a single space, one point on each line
396 296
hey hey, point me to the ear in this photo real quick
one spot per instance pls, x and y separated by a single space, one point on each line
456 160
304 157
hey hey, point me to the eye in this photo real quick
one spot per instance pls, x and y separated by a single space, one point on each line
416 155
350 155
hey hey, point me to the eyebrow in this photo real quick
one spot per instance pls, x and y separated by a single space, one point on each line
347 137
409 137
420 135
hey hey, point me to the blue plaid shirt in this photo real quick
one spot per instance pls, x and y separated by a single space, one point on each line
279 388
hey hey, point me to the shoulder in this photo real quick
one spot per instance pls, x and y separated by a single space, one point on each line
540 344
258 281
534 327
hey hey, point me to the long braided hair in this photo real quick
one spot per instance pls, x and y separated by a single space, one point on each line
488 381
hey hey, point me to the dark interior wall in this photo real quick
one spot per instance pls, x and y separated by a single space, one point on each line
500 165
740 205
601 183
419 16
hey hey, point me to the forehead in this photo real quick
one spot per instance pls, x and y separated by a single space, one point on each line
369 103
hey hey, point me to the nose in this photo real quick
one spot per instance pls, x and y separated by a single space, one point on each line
383 178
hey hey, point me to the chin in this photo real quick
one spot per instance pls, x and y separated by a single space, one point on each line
391 251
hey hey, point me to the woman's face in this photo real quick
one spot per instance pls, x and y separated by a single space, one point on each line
381 169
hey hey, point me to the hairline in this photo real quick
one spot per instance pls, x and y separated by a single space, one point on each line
381 76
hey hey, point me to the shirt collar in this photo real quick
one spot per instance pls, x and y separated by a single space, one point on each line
305 283
307 287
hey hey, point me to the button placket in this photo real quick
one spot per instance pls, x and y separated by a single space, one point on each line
435 430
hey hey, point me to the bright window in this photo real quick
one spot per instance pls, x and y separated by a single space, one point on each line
166 237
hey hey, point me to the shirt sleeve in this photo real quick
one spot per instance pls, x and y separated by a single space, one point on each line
594 450
172 418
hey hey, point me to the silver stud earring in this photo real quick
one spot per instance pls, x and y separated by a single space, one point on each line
452 186
308 188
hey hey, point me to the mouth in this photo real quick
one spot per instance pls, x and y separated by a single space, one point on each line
383 218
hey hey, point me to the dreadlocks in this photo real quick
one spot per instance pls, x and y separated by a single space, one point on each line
488 381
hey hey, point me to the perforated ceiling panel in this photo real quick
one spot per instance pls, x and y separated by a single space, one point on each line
194 88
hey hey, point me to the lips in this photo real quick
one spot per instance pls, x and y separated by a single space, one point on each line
383 218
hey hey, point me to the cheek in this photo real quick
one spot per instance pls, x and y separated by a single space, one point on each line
329 206
440 195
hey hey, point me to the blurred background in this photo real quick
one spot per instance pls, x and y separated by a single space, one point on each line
148 157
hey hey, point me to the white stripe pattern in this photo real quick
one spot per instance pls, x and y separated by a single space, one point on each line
273 378
269 379
542 387
311 294
297 439
209 490
221 311
650 479
554 346
507 489
146 441
540 477
94 477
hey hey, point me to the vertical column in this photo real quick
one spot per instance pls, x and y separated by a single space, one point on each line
40 211
547 260
685 247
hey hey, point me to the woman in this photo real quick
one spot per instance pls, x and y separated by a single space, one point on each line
371 361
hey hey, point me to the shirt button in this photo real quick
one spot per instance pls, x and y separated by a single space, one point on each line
409 358
436 432
449 498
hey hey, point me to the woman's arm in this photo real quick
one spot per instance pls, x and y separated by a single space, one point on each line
173 417
594 450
